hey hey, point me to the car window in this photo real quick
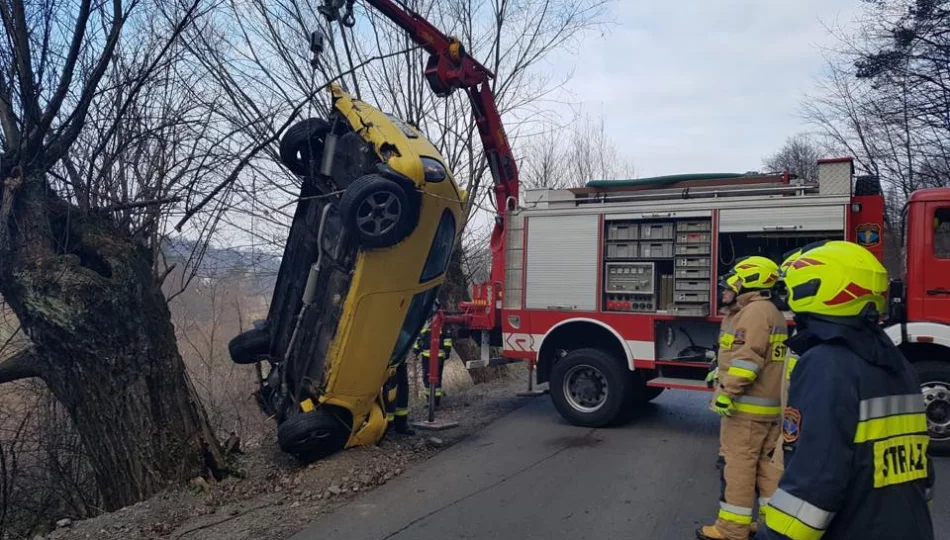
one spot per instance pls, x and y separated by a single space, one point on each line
441 251
942 233
419 310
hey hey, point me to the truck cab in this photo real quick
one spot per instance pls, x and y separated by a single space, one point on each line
919 319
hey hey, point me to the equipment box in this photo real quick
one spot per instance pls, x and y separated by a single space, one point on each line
692 285
691 262
656 231
623 231
692 273
692 249
690 310
656 250
693 237
691 297
691 226
625 250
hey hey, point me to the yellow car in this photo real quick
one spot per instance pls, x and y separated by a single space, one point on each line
375 227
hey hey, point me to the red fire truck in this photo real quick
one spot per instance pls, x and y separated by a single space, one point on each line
610 290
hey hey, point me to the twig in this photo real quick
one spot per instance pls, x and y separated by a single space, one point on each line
220 521
140 204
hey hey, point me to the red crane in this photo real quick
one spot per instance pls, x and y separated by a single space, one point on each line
448 69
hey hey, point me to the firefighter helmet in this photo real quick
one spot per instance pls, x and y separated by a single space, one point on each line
837 278
751 273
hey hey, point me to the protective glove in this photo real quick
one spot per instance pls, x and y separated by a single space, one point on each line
712 378
724 406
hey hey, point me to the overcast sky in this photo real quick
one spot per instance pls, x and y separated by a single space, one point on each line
704 85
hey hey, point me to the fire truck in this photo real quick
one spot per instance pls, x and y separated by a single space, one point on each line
610 290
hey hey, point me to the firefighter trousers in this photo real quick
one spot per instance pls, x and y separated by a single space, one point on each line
746 450
397 407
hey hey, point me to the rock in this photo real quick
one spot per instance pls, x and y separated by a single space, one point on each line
345 479
199 483
233 512
397 472
366 478
435 442
63 523
295 504
334 490
355 489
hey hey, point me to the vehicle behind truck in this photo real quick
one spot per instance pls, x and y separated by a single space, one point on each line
610 289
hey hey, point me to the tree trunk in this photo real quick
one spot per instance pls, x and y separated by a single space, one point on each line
105 346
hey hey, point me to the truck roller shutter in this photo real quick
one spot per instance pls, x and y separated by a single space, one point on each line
788 218
562 262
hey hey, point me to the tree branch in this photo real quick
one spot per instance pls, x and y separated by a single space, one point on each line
22 365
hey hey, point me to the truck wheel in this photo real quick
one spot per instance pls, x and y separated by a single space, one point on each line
590 388
250 347
935 385
378 211
301 147
313 435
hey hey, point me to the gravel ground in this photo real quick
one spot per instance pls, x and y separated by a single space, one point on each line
277 497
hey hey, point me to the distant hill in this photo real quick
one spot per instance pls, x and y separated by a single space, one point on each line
259 266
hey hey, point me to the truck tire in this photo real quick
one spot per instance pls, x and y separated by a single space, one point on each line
935 385
301 147
250 347
591 388
309 436
377 210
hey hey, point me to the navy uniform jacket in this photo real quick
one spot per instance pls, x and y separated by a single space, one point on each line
855 441
423 343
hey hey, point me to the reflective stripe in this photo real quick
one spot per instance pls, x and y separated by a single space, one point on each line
778 338
802 510
880 407
890 426
447 343
402 412
744 364
792 360
742 373
390 417
788 526
735 514
757 405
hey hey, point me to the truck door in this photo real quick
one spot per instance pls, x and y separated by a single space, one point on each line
936 263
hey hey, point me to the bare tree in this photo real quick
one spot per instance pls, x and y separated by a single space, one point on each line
799 155
91 121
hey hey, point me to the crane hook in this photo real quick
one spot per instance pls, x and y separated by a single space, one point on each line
338 10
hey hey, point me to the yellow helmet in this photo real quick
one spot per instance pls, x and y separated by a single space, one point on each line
751 273
837 279
790 256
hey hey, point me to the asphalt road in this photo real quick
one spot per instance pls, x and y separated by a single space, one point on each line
531 475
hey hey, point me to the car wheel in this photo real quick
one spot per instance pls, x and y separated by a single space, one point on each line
250 347
591 388
301 147
378 211
313 435
935 386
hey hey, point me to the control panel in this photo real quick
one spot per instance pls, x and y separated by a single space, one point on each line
630 286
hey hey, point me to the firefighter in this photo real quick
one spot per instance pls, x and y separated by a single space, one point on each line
854 430
396 394
751 354
422 349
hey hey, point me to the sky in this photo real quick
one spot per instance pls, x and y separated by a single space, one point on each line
701 85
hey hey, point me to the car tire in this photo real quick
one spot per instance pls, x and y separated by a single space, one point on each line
377 211
309 436
935 385
591 388
301 147
250 347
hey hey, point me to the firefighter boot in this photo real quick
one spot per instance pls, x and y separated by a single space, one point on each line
710 532
401 426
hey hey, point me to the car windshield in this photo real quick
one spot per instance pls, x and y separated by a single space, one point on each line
419 311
